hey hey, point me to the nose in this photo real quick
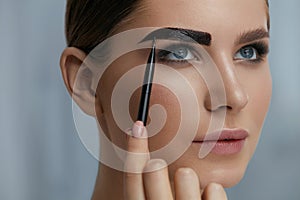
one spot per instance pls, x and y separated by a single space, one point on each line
236 97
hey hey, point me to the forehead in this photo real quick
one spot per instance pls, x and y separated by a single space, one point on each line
214 16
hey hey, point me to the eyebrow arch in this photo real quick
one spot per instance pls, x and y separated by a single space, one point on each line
251 36
181 34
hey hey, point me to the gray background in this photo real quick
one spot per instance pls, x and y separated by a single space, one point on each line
41 156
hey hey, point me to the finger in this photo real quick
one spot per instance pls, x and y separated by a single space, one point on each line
137 157
214 191
156 180
186 184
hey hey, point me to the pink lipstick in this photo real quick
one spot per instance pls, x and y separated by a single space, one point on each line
224 142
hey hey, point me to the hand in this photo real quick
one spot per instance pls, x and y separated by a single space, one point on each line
150 179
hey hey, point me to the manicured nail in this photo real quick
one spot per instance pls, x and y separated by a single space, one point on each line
138 129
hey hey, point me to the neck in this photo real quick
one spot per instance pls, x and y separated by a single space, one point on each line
109 184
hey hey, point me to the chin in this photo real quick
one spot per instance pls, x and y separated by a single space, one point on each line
227 171
226 177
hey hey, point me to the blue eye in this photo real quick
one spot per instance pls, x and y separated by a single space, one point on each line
176 54
247 53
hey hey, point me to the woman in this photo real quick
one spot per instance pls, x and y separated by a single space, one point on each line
238 41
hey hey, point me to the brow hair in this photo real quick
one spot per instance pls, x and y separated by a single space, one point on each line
252 35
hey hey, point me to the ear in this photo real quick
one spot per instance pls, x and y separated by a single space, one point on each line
78 80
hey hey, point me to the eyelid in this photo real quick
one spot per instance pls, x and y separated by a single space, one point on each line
261 44
240 54
172 47
261 47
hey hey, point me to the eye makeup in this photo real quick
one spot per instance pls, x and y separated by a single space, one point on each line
177 42
182 51
177 53
180 34
261 49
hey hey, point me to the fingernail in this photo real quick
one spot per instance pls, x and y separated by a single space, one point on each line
138 129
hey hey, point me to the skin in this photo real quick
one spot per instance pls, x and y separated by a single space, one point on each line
248 89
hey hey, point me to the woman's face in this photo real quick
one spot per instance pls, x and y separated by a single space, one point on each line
239 46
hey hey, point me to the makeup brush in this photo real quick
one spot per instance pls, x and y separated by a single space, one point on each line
147 86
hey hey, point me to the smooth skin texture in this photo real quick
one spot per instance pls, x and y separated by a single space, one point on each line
248 88
155 184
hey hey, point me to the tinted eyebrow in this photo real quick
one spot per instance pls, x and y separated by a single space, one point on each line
251 36
181 34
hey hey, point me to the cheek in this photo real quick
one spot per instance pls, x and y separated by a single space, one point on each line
168 101
260 92
106 88
258 85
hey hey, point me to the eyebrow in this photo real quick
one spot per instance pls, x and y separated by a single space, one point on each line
252 35
181 34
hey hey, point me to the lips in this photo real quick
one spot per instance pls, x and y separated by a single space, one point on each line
224 142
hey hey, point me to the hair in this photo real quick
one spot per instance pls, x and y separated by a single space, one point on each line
268 14
89 22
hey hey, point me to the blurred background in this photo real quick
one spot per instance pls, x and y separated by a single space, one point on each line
41 156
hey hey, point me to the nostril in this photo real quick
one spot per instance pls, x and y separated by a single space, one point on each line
234 102
228 107
215 101
212 108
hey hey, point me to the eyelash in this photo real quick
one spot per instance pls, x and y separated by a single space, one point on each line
163 53
261 48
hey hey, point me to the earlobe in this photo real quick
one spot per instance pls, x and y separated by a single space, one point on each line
78 79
